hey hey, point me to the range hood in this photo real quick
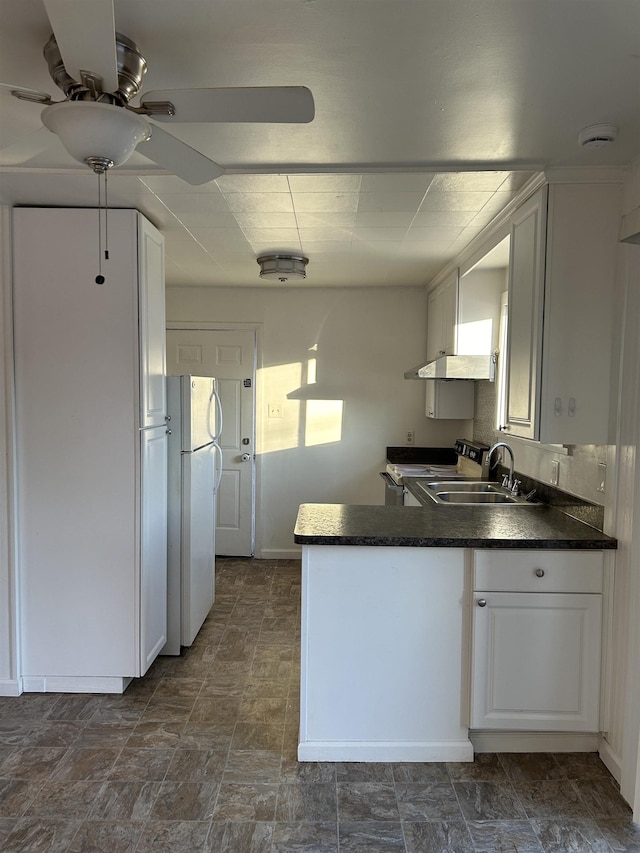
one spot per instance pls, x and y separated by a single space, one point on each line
455 367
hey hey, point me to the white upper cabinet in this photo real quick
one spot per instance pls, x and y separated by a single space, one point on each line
560 332
442 309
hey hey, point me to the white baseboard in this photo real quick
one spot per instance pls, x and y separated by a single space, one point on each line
610 759
10 687
490 741
381 751
74 684
280 554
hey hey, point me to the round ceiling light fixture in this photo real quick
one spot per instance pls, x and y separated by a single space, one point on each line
283 267
597 135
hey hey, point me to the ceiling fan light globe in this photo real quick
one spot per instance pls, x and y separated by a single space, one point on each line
91 130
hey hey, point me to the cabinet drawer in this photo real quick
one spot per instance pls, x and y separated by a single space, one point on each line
538 571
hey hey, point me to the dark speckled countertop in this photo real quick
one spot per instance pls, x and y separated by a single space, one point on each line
445 527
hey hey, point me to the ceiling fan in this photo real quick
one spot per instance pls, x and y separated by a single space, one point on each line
100 71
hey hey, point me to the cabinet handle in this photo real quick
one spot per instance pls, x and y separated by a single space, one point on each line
482 602
540 573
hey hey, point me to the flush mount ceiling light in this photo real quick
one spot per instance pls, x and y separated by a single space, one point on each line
597 135
283 267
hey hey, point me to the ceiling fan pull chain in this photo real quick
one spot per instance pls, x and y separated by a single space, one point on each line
106 219
99 277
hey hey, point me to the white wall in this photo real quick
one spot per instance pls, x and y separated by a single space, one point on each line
363 339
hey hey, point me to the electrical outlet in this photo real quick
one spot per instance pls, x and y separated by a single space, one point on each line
410 437
555 472
274 410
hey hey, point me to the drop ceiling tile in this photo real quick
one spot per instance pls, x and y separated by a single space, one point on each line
253 184
468 181
324 202
339 235
325 183
259 202
431 218
200 203
515 181
375 235
397 182
329 219
328 247
391 201
494 205
384 219
272 235
172 185
433 236
455 200
268 219
221 239
264 247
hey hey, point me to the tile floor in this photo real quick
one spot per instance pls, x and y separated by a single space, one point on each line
200 755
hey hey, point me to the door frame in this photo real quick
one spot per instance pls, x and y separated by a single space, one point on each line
256 328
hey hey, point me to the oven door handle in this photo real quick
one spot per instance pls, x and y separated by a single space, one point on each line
391 483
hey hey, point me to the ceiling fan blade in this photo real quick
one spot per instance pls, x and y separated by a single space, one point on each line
26 147
179 158
277 104
85 33
26 94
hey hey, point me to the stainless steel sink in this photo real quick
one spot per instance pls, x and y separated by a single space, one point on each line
471 493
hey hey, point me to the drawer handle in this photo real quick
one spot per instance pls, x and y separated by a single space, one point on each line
482 602
540 573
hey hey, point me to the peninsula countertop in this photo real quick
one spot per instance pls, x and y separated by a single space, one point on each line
537 526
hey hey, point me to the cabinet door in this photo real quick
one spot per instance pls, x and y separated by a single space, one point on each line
153 544
442 306
536 661
524 331
449 400
152 325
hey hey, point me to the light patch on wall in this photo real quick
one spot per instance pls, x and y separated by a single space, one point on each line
323 422
475 338
277 381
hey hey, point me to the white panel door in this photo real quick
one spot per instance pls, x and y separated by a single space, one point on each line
230 357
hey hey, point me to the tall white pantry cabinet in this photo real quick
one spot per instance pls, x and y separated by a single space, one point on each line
91 448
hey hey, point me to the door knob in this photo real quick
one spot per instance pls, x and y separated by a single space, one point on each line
482 602
246 457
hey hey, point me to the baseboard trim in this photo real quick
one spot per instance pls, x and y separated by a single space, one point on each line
610 759
381 751
10 687
74 684
490 741
280 554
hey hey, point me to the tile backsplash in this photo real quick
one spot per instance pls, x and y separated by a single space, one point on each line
579 473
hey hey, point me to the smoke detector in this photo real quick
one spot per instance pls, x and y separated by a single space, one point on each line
597 135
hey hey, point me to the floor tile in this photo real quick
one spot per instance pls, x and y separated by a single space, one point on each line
498 836
16 795
34 764
141 764
185 801
253 765
435 801
246 802
622 834
371 836
488 801
570 836
602 798
112 836
197 765
72 800
170 835
367 801
85 763
361 771
245 836
438 835
531 766
41 835
426 773
552 800
120 800
306 802
305 838
485 767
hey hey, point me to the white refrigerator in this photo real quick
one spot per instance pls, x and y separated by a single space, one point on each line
195 468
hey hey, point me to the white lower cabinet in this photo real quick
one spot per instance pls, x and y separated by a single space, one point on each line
536 637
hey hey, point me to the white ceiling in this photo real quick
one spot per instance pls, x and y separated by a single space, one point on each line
430 115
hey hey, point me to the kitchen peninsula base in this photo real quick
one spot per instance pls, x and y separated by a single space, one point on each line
383 668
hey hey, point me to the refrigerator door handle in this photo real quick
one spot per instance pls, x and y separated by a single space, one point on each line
218 466
219 420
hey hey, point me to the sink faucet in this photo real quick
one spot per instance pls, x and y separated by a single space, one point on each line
509 482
